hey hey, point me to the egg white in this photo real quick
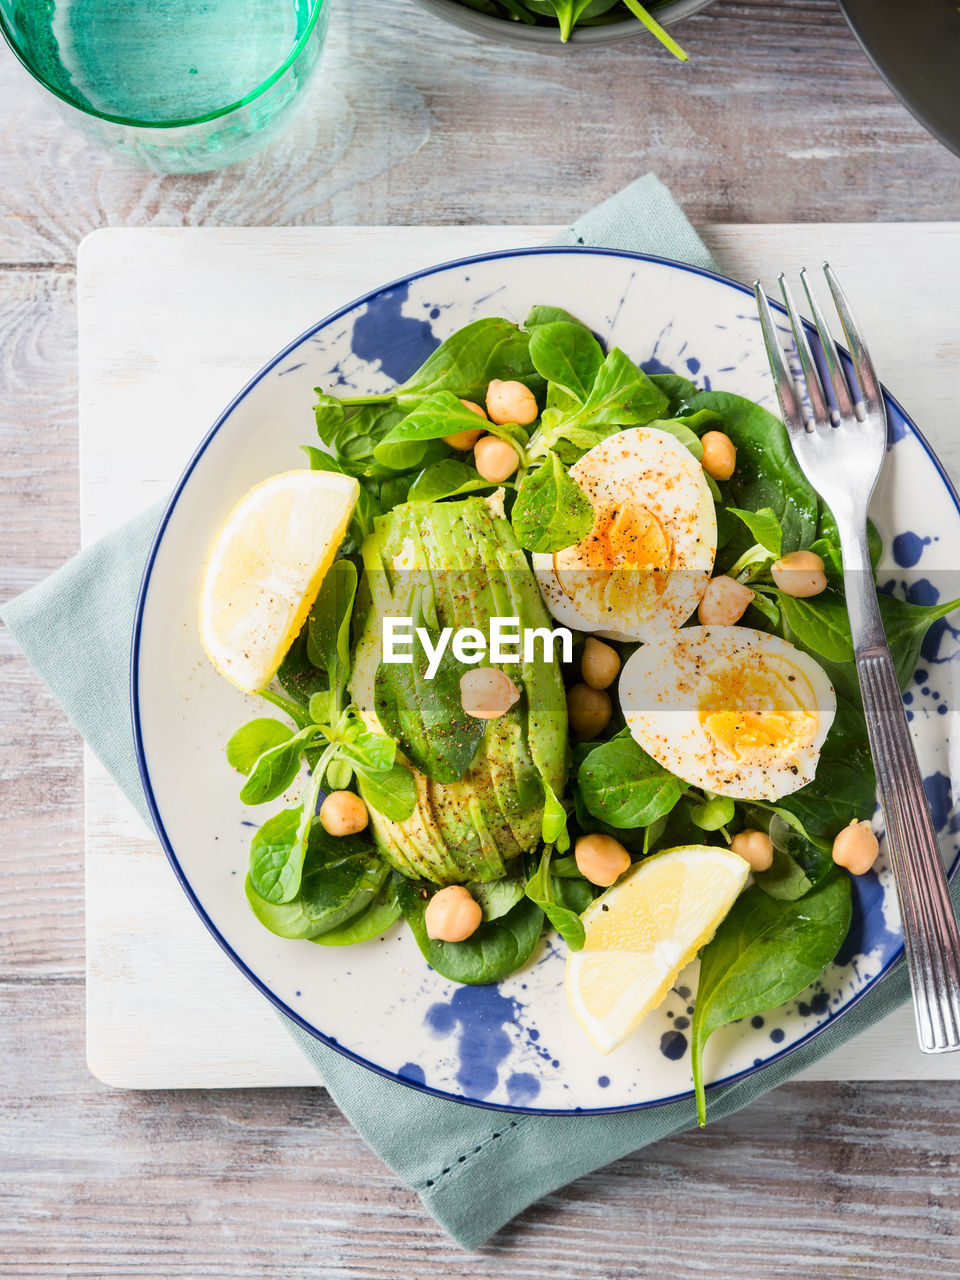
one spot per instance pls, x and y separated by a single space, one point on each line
660 690
642 469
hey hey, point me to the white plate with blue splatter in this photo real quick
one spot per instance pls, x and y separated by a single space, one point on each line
515 1044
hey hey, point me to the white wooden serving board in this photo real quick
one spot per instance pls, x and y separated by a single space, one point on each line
172 323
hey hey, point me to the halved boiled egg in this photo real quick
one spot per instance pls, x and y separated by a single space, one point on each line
735 711
643 568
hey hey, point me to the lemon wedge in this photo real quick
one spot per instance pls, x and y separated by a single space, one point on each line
641 933
265 569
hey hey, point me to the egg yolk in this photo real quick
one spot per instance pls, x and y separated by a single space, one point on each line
626 556
756 706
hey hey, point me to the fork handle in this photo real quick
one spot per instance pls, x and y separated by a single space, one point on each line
930 931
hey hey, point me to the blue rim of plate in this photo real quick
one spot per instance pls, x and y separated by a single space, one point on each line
261 986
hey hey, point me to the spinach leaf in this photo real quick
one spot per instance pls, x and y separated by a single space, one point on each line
818 623
497 897
254 738
573 892
342 876
394 794
798 864
273 874
339 772
470 359
374 920
395 489
299 678
566 868
765 952
905 626
275 769
446 479
358 435
330 414
328 639
372 751
408 455
621 396
678 390
438 415
623 786
539 315
497 949
323 708
568 355
539 889
551 511
426 717
764 526
841 792
715 812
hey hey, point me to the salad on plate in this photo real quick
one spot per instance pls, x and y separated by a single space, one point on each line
557 645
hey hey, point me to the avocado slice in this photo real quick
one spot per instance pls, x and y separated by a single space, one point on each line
470 567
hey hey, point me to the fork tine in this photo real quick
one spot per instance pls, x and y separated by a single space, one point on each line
783 379
822 414
830 353
873 401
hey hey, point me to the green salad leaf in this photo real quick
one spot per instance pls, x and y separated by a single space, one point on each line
764 526
905 626
567 355
551 511
254 738
372 921
623 786
342 876
498 948
448 478
540 889
621 396
766 951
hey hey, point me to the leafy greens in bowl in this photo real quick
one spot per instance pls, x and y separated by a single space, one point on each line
580 22
513 1042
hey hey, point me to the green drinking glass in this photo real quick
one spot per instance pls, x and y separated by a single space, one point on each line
181 86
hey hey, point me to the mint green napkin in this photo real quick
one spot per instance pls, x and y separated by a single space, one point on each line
474 1169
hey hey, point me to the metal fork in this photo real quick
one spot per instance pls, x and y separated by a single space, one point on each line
840 447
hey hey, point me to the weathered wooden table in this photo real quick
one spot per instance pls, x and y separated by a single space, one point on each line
780 118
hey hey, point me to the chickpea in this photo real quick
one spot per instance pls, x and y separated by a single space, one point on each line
495 459
800 574
856 848
452 915
754 847
487 693
589 710
600 664
343 814
465 440
601 859
719 455
724 602
511 402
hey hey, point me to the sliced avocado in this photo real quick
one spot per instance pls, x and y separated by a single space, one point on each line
472 829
